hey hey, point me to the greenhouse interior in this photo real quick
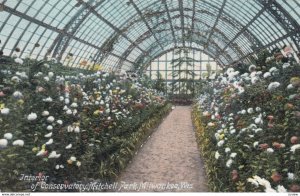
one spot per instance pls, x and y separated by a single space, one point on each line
150 96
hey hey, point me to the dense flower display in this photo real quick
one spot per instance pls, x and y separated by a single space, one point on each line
70 127
248 129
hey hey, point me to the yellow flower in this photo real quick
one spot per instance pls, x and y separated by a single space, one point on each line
97 112
44 147
2 105
20 101
35 149
69 162
221 136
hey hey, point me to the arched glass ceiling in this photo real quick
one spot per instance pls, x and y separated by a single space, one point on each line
121 33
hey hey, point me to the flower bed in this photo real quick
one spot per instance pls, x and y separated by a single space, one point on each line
248 129
72 128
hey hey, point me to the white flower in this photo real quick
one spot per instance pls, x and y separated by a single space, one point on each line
273 69
5 111
227 150
50 141
258 130
267 74
74 105
257 109
3 143
17 94
57 167
250 110
229 163
262 181
74 112
48 99
67 101
78 163
48 135
270 190
254 80
270 150
252 68
61 166
46 78
60 122
50 119
15 79
50 74
53 155
285 65
217 155
70 128
49 127
290 86
77 129
291 176
8 136
281 189
253 182
233 155
18 143
258 120
232 131
69 111
19 60
295 147
272 86
73 158
69 146
45 113
243 112
61 98
31 116
220 143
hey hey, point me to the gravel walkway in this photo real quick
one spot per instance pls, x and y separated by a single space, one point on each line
169 160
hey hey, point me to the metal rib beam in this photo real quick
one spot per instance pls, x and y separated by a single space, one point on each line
29 18
146 23
147 34
292 33
91 9
180 2
215 24
170 21
284 19
243 29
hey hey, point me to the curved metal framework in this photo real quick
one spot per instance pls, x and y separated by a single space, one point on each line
122 34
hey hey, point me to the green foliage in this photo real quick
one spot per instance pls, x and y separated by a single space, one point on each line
105 120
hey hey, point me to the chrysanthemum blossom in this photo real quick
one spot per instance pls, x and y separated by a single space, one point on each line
50 119
5 111
274 85
18 143
3 143
32 116
295 147
229 163
8 136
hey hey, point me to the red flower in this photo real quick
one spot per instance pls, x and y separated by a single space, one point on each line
234 175
276 177
294 140
295 188
276 145
263 146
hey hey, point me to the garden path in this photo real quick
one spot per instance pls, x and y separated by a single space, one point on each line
169 161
